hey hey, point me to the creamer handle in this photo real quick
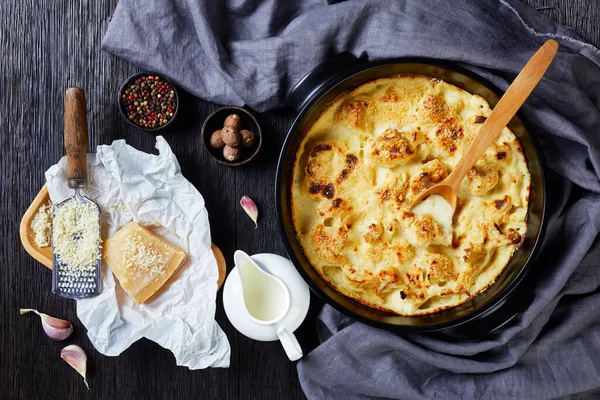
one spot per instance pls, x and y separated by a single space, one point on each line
290 344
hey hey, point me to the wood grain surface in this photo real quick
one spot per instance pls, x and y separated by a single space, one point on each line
47 46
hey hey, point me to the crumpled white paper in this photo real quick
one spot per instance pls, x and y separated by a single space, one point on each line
130 185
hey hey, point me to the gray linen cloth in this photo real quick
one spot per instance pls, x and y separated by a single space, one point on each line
252 52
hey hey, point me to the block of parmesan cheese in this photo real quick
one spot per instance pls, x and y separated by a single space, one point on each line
141 260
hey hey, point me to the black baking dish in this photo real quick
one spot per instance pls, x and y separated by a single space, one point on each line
344 72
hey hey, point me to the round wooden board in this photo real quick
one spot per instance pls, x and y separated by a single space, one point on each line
44 254
220 263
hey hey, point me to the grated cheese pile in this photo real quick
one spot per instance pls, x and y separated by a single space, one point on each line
42 226
140 255
120 207
76 235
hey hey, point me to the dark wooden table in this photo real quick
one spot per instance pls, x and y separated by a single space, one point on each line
48 46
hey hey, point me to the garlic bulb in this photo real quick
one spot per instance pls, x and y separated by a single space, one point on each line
76 358
57 329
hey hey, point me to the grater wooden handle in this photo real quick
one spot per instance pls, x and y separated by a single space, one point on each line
76 137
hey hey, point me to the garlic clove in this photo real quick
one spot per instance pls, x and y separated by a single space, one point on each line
55 328
76 358
250 207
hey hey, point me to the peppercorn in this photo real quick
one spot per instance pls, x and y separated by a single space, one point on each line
149 101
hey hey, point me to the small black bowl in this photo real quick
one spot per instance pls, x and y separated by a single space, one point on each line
123 112
215 122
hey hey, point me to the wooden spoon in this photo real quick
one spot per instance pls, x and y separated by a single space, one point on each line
506 108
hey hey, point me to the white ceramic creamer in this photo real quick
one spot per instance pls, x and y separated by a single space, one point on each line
264 296
267 300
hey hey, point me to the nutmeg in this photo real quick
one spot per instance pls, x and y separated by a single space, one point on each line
230 136
231 153
234 121
248 138
216 140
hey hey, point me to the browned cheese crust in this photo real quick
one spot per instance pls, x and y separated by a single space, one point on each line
369 153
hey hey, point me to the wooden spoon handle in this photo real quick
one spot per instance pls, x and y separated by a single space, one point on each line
76 137
506 108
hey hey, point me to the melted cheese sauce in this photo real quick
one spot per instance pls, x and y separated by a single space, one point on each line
362 163
440 210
